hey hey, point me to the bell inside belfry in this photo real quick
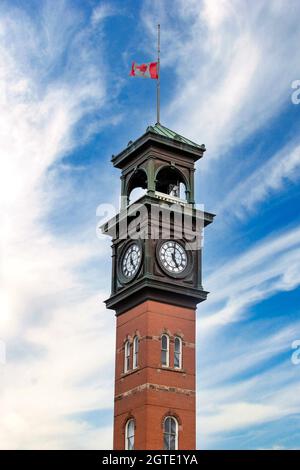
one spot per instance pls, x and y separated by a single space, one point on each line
174 190
170 181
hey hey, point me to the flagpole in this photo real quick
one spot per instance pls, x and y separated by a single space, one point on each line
158 76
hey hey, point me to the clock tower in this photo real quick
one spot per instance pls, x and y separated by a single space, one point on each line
156 286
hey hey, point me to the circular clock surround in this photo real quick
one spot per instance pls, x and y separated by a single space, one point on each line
174 258
130 261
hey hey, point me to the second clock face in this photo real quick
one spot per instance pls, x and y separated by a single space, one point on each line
173 257
131 260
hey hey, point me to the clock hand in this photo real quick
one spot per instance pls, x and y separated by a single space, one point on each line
130 260
174 259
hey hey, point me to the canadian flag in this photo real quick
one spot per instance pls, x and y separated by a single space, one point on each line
149 70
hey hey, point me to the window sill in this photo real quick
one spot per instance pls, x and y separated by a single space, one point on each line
172 369
129 372
159 368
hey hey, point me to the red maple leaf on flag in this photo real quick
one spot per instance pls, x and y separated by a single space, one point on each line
148 70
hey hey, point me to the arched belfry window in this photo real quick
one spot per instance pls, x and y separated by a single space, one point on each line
137 185
177 353
127 357
165 350
129 435
170 181
135 352
170 433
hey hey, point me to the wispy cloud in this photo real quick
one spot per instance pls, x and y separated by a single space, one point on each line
247 404
101 12
52 322
233 65
239 389
232 74
268 179
261 271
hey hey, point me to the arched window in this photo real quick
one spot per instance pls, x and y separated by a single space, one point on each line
177 353
135 352
171 181
137 185
129 435
165 350
127 357
170 433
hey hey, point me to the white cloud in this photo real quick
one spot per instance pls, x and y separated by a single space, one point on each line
268 179
59 338
101 12
64 376
239 389
233 64
272 265
57 334
271 395
250 350
240 414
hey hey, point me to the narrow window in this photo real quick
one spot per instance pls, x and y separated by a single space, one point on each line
127 357
165 350
135 352
170 433
177 353
129 435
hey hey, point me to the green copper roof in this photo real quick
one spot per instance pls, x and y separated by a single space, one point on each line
164 131
161 136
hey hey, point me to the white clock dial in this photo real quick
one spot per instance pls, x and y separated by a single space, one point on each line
131 260
173 257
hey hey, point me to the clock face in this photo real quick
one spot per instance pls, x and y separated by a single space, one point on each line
173 257
131 261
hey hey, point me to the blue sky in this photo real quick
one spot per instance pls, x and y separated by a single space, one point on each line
68 104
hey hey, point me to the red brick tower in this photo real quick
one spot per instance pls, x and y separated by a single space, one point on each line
156 285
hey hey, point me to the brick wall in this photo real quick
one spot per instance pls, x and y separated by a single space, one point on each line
151 392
